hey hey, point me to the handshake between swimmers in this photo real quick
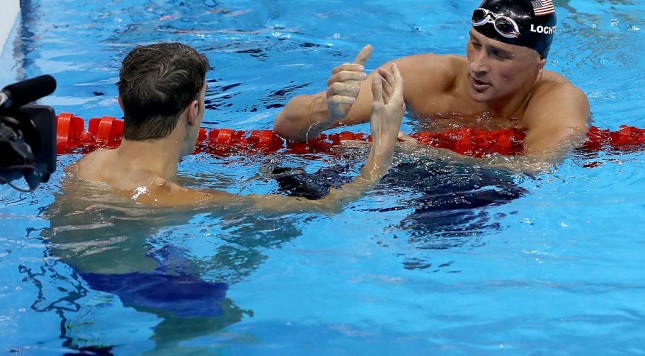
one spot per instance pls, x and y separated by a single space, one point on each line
162 89
501 81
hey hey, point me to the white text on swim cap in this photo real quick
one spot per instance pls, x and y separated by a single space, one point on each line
547 30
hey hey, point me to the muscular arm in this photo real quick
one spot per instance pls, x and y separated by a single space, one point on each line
306 116
347 100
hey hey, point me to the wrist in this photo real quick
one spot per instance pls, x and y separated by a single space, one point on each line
321 114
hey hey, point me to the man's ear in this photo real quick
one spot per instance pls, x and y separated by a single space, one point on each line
120 102
542 62
193 112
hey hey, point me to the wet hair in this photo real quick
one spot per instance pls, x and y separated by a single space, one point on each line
157 82
536 21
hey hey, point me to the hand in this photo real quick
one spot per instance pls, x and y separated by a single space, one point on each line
388 106
344 84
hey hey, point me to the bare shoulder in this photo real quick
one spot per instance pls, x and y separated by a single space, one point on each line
430 65
90 166
143 186
104 166
429 74
557 102
553 85
556 116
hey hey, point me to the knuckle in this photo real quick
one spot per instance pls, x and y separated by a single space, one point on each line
337 86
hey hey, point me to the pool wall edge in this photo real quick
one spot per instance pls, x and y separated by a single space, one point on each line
8 17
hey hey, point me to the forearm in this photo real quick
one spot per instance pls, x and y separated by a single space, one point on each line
376 166
304 117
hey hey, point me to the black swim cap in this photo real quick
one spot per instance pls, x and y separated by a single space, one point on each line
535 20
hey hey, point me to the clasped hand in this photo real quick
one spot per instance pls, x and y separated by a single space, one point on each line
344 84
388 106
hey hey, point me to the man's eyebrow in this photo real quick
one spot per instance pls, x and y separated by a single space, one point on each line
499 50
495 48
502 51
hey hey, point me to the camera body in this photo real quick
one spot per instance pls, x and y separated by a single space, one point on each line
27 136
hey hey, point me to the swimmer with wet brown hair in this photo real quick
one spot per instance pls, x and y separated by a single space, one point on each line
162 89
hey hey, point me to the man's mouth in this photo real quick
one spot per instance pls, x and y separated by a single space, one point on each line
478 85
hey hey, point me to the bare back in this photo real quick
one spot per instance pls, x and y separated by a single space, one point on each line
130 181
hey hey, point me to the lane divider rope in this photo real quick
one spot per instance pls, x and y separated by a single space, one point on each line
107 131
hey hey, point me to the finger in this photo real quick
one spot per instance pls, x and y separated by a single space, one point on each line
387 88
406 138
386 97
387 75
377 89
347 76
398 79
348 67
344 89
363 55
392 81
342 100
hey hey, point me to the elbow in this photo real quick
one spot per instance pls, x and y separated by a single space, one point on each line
289 127
280 126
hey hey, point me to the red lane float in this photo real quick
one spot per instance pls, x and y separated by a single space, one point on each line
107 131
102 132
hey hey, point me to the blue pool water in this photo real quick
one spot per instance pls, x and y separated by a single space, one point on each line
441 258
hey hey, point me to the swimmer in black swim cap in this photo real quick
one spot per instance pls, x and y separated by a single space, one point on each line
524 23
501 82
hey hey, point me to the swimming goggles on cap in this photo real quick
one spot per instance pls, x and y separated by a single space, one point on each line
504 25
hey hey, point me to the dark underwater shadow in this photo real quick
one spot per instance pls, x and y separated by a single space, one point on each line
448 201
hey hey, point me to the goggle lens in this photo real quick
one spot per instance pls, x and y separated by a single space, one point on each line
504 25
480 17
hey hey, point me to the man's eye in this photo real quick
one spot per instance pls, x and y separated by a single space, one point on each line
501 55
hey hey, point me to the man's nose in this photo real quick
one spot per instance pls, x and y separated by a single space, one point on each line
479 62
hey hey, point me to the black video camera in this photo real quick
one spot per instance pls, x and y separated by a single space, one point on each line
27 133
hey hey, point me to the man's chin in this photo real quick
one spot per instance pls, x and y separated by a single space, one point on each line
477 96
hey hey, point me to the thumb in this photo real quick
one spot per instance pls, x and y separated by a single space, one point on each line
363 55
